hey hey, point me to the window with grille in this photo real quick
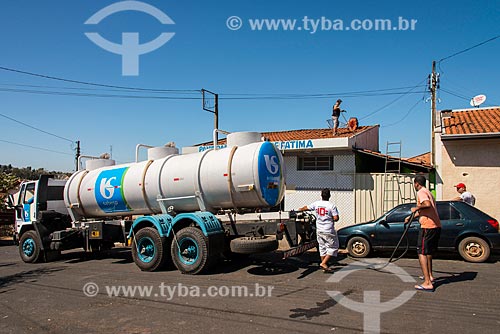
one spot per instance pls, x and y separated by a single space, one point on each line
315 163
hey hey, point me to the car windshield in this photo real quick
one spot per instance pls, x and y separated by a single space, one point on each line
398 214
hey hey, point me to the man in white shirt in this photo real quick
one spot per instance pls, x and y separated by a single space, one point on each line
465 196
326 215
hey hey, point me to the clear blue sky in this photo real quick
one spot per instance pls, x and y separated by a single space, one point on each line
47 37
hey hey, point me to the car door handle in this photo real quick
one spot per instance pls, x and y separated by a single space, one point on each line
459 224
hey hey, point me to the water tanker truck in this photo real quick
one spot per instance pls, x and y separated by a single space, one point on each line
182 209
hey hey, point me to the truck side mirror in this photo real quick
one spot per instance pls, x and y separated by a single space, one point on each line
10 202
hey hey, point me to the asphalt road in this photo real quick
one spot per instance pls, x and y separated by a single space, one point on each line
291 296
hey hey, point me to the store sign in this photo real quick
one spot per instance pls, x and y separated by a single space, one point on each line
294 144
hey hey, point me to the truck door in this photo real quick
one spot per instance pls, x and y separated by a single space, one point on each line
27 212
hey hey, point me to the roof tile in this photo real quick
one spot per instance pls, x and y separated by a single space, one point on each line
307 134
471 121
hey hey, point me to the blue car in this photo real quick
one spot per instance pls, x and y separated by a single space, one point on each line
465 229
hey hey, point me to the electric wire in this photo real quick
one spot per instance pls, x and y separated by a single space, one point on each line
455 94
92 83
468 49
393 101
35 147
222 97
227 96
37 129
405 116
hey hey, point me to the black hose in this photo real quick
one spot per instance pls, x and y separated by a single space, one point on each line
404 235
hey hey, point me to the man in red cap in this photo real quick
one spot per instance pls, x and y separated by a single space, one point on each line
465 196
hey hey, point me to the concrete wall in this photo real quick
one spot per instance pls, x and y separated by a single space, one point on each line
475 162
340 178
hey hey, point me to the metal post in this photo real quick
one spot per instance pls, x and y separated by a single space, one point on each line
77 157
216 118
433 84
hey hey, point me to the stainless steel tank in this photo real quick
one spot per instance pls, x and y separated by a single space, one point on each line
247 176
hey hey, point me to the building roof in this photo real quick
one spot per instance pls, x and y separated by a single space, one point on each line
422 160
470 122
306 134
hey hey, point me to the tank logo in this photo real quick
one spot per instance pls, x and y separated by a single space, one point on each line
109 190
272 164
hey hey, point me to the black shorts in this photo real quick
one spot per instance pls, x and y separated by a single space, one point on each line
428 239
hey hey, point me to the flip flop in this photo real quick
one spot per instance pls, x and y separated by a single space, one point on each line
422 278
326 270
421 288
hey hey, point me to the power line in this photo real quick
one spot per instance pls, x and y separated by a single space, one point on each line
37 129
405 116
395 100
46 92
91 83
313 96
318 94
456 94
34 147
84 88
163 97
468 49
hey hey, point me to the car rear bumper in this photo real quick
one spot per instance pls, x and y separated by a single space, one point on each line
494 239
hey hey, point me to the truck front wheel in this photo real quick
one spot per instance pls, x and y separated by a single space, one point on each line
189 251
148 249
29 247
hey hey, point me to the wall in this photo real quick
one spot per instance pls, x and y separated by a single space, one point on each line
475 162
343 200
367 139
303 187
341 178
369 194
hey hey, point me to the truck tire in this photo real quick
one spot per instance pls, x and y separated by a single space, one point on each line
29 247
474 249
189 251
253 245
148 249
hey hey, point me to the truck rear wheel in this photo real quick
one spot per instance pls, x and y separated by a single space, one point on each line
148 249
189 251
29 247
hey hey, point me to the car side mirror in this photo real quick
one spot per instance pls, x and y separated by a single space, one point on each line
383 222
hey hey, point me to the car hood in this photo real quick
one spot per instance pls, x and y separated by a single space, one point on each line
355 226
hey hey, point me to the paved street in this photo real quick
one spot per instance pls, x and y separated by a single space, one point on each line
291 297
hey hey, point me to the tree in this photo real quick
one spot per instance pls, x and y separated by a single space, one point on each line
8 182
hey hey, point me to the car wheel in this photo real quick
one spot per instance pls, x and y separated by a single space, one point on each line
474 249
358 247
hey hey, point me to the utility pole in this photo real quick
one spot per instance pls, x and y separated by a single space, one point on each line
216 117
77 154
433 84
212 108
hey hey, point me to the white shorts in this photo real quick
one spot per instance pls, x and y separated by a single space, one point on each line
328 243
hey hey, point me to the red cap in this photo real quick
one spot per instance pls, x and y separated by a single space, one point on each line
460 185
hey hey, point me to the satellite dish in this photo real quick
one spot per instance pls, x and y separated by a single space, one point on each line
477 100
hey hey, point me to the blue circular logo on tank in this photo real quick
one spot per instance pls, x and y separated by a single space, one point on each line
270 174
